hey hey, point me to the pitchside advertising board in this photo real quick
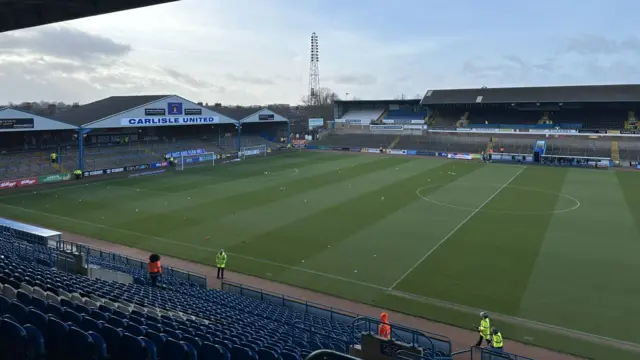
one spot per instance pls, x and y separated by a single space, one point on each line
46 179
122 169
186 153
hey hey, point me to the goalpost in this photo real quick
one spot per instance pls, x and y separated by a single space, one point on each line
258 150
190 161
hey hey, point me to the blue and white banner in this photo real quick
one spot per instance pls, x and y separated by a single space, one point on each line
459 156
187 153
316 122
203 158
169 121
396 152
386 127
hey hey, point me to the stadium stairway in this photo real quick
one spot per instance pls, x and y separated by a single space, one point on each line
60 168
615 152
394 142
381 117
463 122
487 150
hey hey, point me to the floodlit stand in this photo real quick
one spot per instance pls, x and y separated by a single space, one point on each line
190 161
259 150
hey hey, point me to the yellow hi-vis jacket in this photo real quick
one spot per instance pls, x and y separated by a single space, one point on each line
221 260
496 341
485 328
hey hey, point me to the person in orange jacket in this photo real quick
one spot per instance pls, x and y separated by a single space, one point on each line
154 268
384 330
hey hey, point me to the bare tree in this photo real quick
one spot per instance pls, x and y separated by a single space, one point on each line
355 98
323 95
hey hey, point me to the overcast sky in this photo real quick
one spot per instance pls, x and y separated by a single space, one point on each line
257 52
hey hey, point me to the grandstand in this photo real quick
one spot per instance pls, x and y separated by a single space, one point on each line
51 313
99 136
365 112
568 107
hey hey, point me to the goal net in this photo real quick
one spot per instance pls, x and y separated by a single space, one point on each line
259 150
190 161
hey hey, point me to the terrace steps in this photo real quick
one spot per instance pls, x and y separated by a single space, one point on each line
394 142
615 152
379 119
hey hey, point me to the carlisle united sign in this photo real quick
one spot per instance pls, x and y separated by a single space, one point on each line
169 121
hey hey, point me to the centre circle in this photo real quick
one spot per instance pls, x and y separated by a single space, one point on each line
574 201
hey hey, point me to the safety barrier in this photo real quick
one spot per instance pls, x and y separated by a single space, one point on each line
94 252
329 355
43 255
308 307
337 343
481 353
434 345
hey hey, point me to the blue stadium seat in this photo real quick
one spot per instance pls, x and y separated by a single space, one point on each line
112 337
82 345
100 347
35 342
241 353
13 341
152 352
286 355
19 312
54 310
116 322
267 354
135 330
159 342
175 349
70 316
88 324
5 305
133 348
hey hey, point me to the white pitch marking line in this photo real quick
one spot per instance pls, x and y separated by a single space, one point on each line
395 292
455 229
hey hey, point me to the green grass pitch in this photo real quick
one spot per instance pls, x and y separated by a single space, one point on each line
552 252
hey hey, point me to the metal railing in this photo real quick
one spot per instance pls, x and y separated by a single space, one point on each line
434 345
305 328
482 353
329 355
90 251
300 305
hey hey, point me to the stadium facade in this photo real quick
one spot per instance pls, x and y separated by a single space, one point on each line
141 129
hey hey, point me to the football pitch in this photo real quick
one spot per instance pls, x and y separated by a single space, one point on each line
551 252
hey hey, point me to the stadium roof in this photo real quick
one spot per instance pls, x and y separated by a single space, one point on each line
398 101
236 113
101 109
20 14
551 94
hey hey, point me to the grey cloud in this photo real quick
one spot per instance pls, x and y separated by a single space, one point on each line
515 60
249 79
361 80
183 77
599 45
63 42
